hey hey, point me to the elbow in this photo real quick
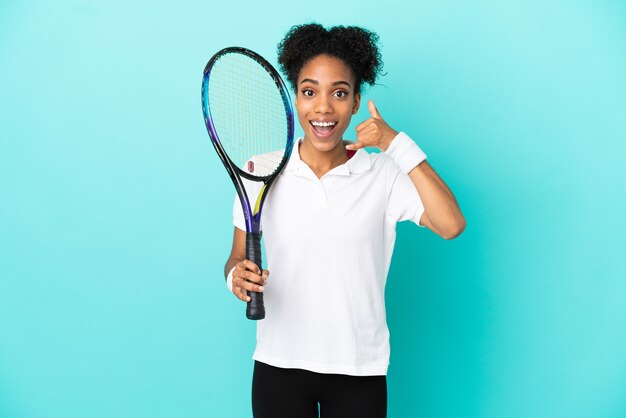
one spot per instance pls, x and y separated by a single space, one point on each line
455 229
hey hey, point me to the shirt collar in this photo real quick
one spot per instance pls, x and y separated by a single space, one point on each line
359 163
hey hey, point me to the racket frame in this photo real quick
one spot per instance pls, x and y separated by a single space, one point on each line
252 214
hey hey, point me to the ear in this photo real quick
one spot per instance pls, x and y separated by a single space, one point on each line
357 103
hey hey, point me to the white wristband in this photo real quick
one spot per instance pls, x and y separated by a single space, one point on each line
405 152
229 279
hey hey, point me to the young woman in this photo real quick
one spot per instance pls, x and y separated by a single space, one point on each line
329 232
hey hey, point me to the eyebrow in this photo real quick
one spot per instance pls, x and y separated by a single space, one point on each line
336 83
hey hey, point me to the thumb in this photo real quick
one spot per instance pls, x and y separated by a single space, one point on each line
373 110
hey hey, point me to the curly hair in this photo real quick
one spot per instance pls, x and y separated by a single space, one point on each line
355 46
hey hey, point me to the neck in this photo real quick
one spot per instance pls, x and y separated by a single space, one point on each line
321 162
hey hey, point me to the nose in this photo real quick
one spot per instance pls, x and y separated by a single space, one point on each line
323 104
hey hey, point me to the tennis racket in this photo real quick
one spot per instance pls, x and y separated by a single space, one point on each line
248 114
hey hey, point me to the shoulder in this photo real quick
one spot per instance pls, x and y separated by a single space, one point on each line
383 171
264 164
383 163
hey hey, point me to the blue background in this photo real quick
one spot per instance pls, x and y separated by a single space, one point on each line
115 213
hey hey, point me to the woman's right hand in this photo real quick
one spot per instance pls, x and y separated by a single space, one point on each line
248 277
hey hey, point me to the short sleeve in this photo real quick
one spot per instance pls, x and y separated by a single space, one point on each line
238 219
404 202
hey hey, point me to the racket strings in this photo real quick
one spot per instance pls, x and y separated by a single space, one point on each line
248 112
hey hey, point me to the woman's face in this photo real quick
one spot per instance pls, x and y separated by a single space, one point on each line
326 101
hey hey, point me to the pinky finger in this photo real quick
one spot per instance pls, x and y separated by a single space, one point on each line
242 294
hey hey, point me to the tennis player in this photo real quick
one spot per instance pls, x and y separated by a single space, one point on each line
329 228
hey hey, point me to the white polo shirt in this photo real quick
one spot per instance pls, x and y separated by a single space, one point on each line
328 243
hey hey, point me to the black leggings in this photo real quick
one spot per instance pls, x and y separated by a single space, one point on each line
295 393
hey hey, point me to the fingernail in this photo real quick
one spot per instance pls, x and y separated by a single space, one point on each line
261 288
248 299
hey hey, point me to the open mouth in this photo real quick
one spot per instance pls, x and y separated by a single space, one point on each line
323 128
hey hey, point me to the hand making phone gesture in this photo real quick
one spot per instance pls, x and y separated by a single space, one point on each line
374 132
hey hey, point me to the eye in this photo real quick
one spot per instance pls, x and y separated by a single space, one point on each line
341 94
307 92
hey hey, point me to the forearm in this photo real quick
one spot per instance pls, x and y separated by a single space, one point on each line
440 205
443 215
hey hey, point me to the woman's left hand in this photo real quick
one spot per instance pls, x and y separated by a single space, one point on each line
374 132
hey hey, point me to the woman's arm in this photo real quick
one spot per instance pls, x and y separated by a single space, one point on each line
237 252
442 214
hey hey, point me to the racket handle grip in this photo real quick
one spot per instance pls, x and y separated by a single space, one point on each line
255 309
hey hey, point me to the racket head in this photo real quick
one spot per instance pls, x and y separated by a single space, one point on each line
248 113
249 117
